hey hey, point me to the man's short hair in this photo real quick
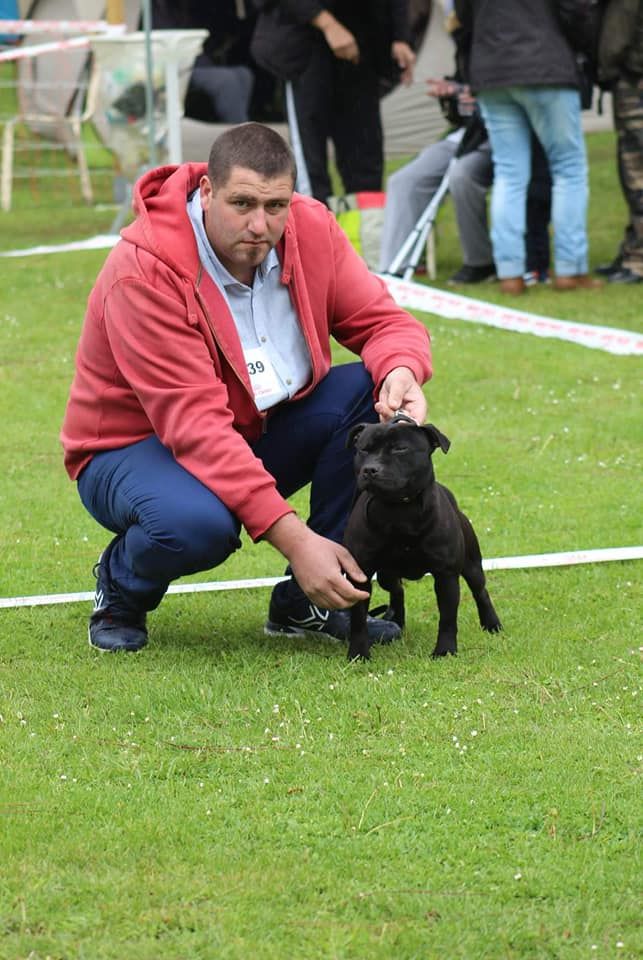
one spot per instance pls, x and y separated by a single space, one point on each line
253 146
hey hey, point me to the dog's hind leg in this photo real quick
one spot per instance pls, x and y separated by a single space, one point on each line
476 581
447 592
396 609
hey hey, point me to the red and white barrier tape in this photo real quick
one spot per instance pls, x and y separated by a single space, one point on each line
36 49
417 296
25 53
26 27
499 563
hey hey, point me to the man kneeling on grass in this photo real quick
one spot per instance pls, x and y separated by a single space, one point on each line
204 395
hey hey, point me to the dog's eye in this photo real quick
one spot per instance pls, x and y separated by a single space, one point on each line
400 449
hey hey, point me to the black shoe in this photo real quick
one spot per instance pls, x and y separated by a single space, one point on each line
467 274
623 275
605 269
114 625
292 613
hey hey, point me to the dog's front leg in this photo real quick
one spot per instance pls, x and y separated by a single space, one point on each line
447 592
358 645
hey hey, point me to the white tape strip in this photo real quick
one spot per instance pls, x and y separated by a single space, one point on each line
417 296
102 241
499 563
27 27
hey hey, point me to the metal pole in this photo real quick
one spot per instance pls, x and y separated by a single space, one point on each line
303 180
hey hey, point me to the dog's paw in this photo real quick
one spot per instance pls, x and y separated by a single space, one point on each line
359 657
437 654
446 646
492 625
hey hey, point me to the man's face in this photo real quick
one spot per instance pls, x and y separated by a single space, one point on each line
245 218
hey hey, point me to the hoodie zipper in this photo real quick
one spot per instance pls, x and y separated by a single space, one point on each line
193 295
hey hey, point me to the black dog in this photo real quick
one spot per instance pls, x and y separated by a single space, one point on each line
405 524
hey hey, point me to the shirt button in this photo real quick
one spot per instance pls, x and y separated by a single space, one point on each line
288 382
263 339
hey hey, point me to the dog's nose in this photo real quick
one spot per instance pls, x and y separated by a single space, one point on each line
370 470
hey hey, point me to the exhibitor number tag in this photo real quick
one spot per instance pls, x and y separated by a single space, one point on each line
265 384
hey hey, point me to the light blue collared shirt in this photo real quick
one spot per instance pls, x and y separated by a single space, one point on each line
265 319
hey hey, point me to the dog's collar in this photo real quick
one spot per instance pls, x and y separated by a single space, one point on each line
401 417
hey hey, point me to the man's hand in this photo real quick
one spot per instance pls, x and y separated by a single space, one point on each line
340 40
405 59
318 564
401 391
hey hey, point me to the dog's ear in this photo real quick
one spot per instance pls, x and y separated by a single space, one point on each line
354 433
436 438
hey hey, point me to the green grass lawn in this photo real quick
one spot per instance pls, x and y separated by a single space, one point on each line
228 795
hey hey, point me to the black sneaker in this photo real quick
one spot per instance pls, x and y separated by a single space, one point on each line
114 625
467 274
604 269
623 275
292 613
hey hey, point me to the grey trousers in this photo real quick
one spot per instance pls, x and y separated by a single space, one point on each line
409 190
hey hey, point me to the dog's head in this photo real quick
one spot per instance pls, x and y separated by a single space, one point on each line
393 460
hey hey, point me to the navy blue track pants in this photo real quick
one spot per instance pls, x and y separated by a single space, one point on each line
168 524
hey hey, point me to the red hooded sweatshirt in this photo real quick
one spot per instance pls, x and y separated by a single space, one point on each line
159 352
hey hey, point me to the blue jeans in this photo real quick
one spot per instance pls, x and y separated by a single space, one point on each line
168 524
554 114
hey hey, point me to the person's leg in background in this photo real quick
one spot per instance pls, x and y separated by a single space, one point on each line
470 178
356 126
408 191
538 216
312 93
228 90
510 138
554 114
628 121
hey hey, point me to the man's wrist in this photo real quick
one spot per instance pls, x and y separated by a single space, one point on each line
286 534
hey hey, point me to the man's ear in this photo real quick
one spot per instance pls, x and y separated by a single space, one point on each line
354 433
436 438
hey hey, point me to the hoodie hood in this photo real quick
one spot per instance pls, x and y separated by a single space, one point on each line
157 196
